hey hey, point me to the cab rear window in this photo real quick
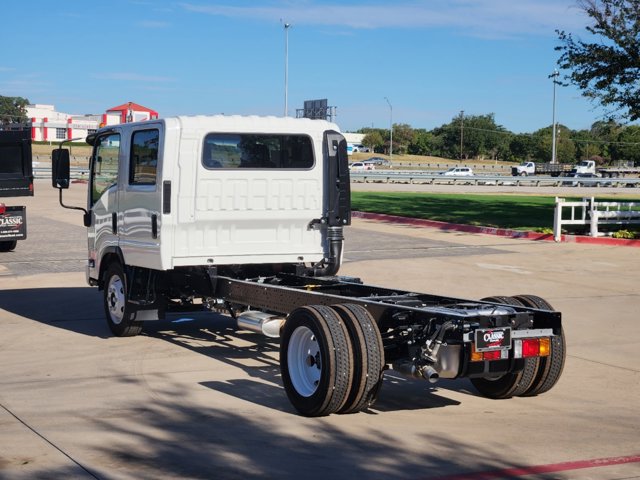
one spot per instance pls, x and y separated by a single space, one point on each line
257 151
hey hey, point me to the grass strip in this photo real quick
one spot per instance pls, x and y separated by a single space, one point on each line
520 212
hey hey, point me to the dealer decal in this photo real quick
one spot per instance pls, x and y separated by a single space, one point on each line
493 339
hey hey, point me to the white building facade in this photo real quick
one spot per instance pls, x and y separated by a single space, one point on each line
47 125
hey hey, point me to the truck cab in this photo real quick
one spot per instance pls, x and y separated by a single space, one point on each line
584 167
208 191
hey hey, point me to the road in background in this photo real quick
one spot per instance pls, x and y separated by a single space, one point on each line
193 398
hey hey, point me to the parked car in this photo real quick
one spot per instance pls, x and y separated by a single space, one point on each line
360 166
360 148
458 172
379 161
575 182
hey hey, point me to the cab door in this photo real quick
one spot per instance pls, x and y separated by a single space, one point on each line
103 198
140 198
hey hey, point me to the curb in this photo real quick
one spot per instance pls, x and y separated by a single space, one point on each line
501 232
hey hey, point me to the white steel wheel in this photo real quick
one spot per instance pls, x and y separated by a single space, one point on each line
119 312
305 361
316 360
115 299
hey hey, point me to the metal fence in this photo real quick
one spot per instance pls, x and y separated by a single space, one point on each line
418 176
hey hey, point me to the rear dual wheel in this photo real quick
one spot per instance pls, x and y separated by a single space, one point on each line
540 374
331 359
510 384
550 367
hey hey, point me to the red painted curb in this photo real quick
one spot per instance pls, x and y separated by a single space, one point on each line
502 232
542 469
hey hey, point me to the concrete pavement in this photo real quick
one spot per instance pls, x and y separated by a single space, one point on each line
193 398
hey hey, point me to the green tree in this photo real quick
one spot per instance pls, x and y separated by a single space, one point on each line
473 136
628 145
13 109
402 137
565 147
607 68
424 143
373 140
521 147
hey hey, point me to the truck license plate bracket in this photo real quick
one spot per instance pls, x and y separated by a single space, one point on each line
490 339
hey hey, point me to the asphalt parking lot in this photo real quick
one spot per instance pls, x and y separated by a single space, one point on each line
193 398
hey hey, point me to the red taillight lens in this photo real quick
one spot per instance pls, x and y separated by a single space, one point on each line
495 355
530 347
492 355
3 208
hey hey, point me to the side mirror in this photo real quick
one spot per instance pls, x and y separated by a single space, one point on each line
60 171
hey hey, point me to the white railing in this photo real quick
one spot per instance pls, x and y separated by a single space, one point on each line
589 212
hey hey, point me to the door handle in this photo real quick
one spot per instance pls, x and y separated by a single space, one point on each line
114 223
154 226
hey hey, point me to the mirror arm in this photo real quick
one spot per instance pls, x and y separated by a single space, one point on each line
87 217
68 206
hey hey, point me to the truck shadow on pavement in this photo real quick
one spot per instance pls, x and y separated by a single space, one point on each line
257 356
79 310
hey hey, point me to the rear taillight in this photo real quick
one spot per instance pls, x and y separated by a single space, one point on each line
491 355
522 348
531 347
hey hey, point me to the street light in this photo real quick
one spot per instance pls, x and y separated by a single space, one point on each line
554 75
286 68
461 132
390 129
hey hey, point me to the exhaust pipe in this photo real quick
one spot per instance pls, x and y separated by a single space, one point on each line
260 322
423 372
331 265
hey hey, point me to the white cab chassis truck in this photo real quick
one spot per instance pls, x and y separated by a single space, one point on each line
245 215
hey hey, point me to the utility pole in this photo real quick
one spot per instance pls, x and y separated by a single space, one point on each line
390 129
461 132
286 68
554 76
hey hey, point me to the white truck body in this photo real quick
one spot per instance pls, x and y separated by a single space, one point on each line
190 212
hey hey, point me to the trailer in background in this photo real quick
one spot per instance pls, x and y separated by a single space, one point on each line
16 180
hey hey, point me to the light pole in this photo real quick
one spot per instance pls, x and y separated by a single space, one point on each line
390 129
286 68
554 76
461 132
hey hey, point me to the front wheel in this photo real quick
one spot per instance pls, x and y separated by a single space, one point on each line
316 360
118 310
8 246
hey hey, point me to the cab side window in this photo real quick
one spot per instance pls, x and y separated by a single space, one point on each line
105 165
143 163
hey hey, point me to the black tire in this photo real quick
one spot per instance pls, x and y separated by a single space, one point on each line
119 313
8 246
551 367
511 384
316 360
368 357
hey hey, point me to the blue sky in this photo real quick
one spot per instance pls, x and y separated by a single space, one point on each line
430 58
